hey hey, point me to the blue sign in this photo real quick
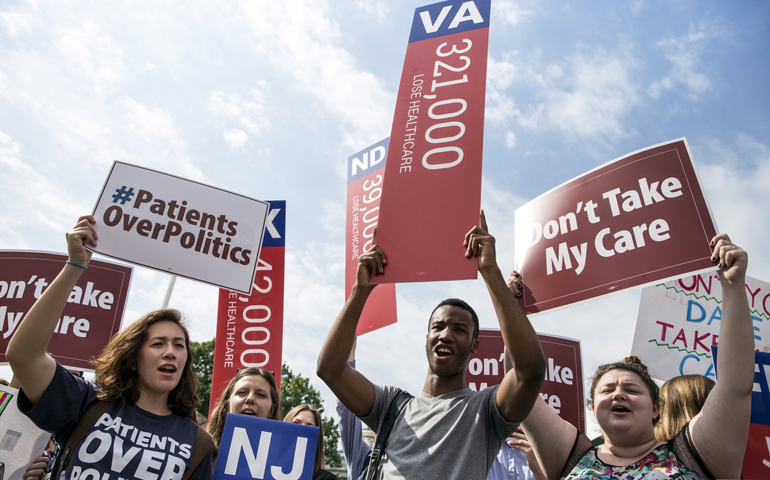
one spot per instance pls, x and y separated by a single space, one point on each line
275 225
445 18
265 449
367 161
760 395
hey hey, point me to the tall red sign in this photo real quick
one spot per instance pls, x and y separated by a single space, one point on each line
93 313
433 172
563 386
250 328
639 219
366 173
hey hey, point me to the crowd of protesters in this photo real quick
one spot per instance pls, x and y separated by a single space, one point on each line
145 389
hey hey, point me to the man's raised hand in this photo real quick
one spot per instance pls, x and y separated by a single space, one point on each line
370 263
479 243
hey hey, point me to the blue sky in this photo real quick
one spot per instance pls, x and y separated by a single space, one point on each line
268 99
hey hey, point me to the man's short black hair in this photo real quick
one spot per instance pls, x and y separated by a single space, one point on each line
456 302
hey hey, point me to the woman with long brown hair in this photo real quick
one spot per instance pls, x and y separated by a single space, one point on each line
305 414
144 375
681 398
251 392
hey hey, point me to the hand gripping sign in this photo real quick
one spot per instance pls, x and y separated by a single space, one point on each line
433 172
639 219
179 226
679 320
250 327
265 449
91 317
563 386
366 173
756 460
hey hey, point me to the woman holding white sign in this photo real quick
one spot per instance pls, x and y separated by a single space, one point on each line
625 402
137 421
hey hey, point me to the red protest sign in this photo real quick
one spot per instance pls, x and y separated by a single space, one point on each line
636 220
755 460
433 171
91 317
563 386
250 328
366 173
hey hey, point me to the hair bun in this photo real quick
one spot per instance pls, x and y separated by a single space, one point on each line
632 359
636 361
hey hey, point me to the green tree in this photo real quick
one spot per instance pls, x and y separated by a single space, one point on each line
296 389
203 366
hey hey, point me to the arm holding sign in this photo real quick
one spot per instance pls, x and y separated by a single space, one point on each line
521 385
26 353
354 390
721 429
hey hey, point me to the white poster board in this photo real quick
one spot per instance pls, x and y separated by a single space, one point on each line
679 320
180 227
20 440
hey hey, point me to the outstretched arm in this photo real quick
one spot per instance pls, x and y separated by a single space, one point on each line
26 353
550 437
721 429
353 389
521 385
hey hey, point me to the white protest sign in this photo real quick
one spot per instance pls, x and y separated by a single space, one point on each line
20 440
679 320
180 227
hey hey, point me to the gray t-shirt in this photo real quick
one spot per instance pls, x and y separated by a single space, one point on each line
452 436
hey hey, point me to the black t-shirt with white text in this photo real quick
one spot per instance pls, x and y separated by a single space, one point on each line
125 442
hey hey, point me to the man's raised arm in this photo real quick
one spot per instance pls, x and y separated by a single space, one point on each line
521 385
354 390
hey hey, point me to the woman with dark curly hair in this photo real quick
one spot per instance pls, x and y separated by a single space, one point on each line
144 375
251 392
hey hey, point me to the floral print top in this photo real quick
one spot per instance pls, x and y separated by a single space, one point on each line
661 463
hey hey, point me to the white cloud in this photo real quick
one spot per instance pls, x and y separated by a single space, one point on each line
150 123
308 44
16 22
248 115
510 139
334 218
685 54
53 204
235 138
373 9
510 13
735 177
587 96
500 76
94 52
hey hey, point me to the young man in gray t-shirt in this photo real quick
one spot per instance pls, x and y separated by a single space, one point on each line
448 431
